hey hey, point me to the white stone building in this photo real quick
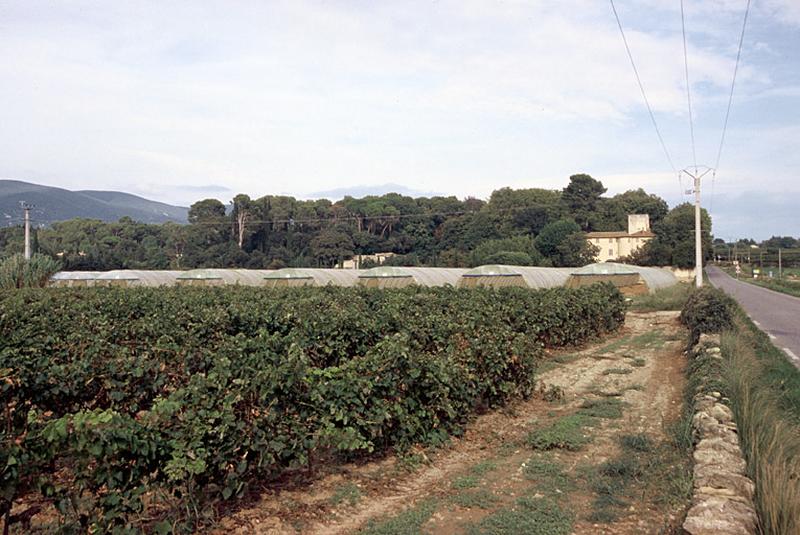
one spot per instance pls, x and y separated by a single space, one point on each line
619 244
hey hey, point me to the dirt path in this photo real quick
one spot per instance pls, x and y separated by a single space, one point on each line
591 454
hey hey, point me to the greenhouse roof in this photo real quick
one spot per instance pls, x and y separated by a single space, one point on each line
424 276
654 277
288 273
534 277
322 277
246 277
200 274
75 275
145 277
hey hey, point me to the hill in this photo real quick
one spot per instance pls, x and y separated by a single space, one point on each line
57 204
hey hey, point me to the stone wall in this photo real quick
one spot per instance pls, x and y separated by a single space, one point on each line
722 501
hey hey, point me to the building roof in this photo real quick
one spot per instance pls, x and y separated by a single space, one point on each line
620 234
605 268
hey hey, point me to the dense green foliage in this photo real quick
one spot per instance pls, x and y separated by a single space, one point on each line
17 272
277 231
708 310
125 404
673 244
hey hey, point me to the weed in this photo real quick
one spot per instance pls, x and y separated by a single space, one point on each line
599 392
617 371
672 298
614 346
626 468
529 515
349 492
547 475
480 498
509 448
566 359
409 522
639 443
638 362
465 482
549 392
650 338
553 363
603 408
565 433
483 468
411 461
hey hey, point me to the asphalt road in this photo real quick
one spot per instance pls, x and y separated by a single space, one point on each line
775 313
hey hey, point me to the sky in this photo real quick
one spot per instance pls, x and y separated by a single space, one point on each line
179 101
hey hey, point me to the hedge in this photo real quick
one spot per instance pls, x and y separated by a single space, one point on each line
128 407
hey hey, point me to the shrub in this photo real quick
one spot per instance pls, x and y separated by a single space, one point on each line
708 310
17 272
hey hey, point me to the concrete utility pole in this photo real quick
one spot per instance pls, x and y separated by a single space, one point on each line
698 241
26 208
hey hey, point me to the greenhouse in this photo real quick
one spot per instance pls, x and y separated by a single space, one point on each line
400 277
223 277
72 279
132 277
287 277
497 276
631 280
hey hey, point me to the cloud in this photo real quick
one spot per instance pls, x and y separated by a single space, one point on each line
458 96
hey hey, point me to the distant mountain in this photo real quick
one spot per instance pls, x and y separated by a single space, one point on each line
363 191
57 204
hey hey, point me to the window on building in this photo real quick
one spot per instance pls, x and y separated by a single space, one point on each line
610 252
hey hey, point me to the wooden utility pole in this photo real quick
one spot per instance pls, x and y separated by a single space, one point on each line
780 264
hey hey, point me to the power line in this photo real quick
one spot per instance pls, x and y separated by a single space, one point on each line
688 87
641 88
733 84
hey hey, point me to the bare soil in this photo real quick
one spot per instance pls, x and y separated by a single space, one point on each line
641 365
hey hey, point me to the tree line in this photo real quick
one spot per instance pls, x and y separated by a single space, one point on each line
515 226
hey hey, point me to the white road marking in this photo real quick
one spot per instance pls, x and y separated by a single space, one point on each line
757 324
789 352
771 336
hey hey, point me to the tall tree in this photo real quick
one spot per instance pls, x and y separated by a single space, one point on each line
581 198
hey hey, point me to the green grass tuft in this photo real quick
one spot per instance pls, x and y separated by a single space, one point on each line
547 475
480 499
409 522
530 516
465 482
349 492
617 371
565 433
483 468
609 408
639 443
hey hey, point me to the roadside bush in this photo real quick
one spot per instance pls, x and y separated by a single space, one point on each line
708 310
129 404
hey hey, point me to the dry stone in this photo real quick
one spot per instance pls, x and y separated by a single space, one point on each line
719 515
722 502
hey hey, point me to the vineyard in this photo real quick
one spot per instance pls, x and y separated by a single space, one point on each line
138 409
